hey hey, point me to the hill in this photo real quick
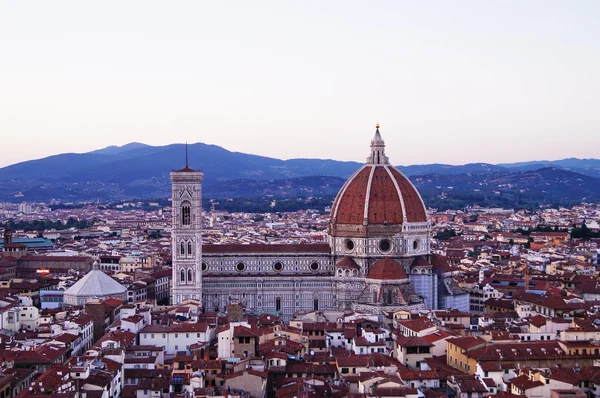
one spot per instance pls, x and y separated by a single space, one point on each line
142 171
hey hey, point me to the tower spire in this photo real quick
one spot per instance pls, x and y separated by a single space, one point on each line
377 149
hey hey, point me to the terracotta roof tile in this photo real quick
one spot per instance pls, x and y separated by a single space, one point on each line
387 269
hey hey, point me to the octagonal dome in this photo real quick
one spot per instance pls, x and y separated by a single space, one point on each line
377 195
95 284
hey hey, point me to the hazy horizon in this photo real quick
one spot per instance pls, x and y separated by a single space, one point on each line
304 157
449 82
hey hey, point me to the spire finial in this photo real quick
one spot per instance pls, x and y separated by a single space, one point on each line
377 149
186 154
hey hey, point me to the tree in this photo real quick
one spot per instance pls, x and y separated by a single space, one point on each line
529 242
445 234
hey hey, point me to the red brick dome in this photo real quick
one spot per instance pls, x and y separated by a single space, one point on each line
387 269
377 194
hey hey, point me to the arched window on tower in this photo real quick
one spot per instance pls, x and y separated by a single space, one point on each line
186 214
316 304
374 296
278 304
182 276
189 249
190 276
182 248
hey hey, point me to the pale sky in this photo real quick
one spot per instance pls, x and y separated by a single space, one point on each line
449 81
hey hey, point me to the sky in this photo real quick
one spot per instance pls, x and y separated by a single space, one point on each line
449 81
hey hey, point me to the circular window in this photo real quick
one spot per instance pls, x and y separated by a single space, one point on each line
277 266
385 245
349 245
416 245
240 267
314 266
204 267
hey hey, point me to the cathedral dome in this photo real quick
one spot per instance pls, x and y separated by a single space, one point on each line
376 195
387 269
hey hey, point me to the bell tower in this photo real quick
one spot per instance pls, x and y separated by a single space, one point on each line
186 185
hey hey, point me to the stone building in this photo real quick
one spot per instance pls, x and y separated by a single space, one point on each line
377 259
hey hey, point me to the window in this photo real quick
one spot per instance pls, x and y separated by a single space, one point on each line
185 213
182 276
388 296
385 245
189 276
182 249
349 245
190 248
278 304
316 304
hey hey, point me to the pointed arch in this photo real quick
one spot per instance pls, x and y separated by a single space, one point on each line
189 274
186 211
182 276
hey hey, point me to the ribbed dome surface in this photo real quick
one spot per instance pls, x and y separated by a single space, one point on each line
387 269
378 194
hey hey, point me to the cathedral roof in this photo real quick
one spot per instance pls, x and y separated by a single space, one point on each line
421 261
387 269
262 248
96 284
347 262
377 194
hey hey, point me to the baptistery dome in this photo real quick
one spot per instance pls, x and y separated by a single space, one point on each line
377 199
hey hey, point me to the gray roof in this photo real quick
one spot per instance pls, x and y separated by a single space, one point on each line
34 243
96 283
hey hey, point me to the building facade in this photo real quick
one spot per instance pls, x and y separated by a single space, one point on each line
377 259
186 234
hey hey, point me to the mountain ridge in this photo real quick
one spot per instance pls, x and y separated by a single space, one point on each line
138 170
